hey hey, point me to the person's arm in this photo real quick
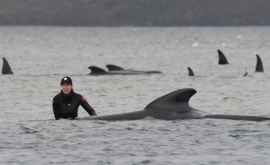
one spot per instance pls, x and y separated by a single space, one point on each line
55 111
87 107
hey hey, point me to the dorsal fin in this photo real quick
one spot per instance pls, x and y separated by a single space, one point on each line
6 69
245 74
222 60
174 101
96 70
112 67
259 64
190 72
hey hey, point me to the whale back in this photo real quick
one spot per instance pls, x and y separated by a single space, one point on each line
6 69
112 67
259 64
222 60
96 70
177 101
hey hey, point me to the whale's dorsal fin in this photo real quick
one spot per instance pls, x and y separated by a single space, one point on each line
190 72
222 60
6 69
175 101
96 70
259 64
112 67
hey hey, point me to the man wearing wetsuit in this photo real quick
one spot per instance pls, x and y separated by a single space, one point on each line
67 102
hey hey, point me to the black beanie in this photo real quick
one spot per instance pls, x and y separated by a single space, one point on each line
66 80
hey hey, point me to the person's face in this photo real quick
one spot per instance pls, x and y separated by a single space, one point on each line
66 88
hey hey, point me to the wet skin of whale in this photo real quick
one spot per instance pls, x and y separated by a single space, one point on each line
190 71
116 70
174 106
6 69
259 64
222 60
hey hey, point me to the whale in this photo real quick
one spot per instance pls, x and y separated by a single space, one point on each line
190 72
174 106
6 69
245 74
116 70
222 60
259 64
112 67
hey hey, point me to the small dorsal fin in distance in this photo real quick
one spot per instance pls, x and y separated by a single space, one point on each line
259 64
6 69
245 74
174 101
190 72
112 67
96 70
222 60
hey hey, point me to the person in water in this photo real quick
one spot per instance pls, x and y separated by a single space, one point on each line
67 102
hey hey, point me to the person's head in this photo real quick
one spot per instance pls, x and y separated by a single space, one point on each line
66 84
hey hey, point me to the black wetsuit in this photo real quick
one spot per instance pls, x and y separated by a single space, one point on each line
66 105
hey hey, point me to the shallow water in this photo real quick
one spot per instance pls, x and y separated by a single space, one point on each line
40 56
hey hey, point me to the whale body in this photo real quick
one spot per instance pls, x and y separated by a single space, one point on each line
116 70
175 106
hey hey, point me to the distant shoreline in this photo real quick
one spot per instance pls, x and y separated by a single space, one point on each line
142 13
131 26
